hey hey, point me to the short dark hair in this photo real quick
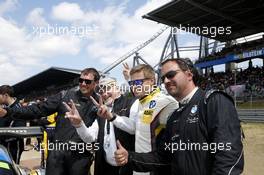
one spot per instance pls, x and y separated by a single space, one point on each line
93 71
185 64
6 89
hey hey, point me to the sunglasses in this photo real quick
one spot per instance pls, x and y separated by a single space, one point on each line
81 80
138 82
169 75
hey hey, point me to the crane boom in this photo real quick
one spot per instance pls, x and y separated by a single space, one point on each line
136 49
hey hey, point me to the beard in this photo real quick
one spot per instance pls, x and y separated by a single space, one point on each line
84 90
172 89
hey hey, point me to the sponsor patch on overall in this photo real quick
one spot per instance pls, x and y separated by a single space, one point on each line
152 104
147 116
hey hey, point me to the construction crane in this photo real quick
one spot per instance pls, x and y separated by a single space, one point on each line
135 50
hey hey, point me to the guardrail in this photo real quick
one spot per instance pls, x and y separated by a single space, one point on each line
252 115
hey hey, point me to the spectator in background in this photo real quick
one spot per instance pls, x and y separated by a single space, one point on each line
14 145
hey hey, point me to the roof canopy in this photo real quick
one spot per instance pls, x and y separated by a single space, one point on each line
243 16
48 79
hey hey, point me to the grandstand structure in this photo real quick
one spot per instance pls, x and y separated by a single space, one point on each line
243 18
47 82
244 41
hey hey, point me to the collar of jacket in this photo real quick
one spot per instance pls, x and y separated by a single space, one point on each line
196 97
188 97
16 102
149 97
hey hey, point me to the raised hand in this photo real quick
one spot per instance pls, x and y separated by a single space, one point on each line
73 114
103 111
3 112
126 71
121 154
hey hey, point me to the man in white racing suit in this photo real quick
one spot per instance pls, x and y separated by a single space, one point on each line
148 114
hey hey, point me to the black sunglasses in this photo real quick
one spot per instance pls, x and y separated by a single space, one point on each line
81 80
169 75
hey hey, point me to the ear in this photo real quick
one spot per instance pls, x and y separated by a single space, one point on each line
152 80
189 74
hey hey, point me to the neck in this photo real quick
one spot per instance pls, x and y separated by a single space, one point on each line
88 94
10 101
151 89
186 92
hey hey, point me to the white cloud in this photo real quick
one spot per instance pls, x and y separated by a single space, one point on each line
35 17
3 59
12 73
121 32
149 6
7 6
19 53
15 43
67 12
117 31
55 45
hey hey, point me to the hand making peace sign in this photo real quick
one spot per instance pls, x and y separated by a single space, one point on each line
103 111
73 114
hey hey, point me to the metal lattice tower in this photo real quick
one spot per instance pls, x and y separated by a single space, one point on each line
170 45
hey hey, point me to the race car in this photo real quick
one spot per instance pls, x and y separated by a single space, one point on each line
7 165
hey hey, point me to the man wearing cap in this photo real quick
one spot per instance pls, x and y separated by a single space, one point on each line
103 131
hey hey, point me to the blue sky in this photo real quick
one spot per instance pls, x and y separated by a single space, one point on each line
115 27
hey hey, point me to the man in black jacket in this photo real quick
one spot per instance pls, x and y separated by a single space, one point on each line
202 137
61 160
14 145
